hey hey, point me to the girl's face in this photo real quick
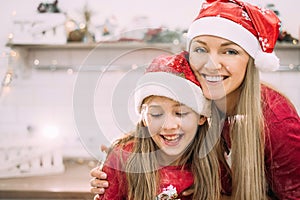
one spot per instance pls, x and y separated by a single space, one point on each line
172 125
219 64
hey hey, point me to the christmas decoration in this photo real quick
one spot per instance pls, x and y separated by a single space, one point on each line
88 36
45 28
168 193
48 7
161 35
284 36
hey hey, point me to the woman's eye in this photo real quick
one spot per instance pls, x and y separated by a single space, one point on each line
231 52
200 50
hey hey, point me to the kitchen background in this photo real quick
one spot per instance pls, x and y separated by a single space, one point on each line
68 67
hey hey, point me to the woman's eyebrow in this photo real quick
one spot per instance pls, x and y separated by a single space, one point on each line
200 42
228 43
223 44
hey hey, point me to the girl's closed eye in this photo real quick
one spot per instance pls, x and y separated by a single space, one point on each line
155 111
155 114
181 114
182 111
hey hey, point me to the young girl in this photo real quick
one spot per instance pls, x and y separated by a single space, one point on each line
164 156
228 43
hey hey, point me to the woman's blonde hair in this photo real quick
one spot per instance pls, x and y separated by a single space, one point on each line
247 140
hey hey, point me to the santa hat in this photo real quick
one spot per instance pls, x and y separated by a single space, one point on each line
253 28
171 77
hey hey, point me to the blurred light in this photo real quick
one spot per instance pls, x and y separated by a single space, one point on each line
7 79
36 62
134 66
14 13
70 71
13 53
176 41
82 26
291 66
70 25
50 131
10 36
295 42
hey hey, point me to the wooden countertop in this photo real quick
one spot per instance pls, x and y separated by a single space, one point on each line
72 184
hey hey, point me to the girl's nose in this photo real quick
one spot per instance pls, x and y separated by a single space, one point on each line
170 122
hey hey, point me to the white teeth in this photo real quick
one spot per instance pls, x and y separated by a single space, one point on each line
170 138
214 78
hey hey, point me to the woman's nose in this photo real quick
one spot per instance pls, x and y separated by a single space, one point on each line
212 63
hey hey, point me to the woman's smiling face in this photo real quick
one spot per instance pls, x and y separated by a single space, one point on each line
219 64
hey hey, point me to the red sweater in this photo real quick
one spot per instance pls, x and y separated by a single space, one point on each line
282 149
179 178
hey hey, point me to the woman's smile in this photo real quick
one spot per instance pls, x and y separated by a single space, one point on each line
214 79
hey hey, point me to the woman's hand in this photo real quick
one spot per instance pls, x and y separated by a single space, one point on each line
98 182
188 191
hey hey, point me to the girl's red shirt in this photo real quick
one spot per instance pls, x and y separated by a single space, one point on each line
178 177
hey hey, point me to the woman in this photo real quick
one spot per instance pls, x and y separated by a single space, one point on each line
162 157
228 43
261 136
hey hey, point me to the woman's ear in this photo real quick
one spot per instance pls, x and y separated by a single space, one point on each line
202 120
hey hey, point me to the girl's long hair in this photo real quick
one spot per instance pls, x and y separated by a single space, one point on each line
247 140
142 165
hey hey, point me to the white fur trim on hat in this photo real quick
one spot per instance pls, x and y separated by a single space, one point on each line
174 87
225 28
266 61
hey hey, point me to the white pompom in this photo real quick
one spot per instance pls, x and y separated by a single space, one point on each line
266 61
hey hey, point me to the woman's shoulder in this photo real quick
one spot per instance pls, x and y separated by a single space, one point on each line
282 126
276 105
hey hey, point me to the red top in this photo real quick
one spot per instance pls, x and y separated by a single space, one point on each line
282 149
179 178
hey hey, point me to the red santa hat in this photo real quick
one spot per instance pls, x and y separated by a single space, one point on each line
253 28
172 77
